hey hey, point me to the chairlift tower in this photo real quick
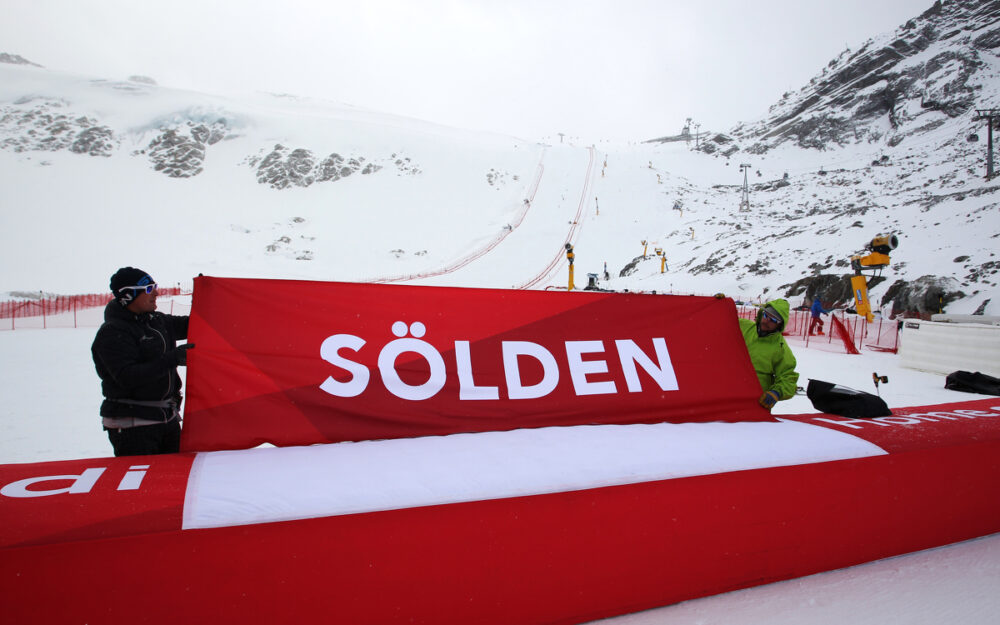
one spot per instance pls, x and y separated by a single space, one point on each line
745 199
989 115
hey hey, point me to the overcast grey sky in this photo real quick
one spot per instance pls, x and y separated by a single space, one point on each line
621 69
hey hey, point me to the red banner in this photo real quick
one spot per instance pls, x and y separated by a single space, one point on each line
297 363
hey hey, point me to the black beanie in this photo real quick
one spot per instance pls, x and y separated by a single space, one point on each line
128 276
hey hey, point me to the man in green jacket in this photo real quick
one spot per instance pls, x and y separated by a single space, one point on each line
769 352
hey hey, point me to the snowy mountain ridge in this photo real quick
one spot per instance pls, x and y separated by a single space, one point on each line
896 85
278 186
889 133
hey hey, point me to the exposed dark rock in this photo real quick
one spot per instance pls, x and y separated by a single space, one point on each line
405 166
632 267
834 290
16 59
760 267
926 294
179 151
988 40
774 185
330 168
283 168
984 272
498 179
43 127
859 92
95 141
176 155
218 131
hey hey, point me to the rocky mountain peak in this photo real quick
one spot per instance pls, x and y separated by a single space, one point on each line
896 85
15 59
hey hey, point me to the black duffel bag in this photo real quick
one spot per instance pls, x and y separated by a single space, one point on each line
973 383
846 402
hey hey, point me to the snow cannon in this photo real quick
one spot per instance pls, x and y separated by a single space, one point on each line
570 256
878 255
884 244
877 258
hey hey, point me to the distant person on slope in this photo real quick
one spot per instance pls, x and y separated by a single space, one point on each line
136 357
817 310
771 356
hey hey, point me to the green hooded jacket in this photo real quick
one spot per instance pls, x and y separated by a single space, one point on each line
771 356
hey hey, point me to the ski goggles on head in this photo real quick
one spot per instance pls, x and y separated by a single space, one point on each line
772 316
149 288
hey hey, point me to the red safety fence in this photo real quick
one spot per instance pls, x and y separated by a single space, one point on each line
487 247
51 306
846 336
62 310
883 335
798 320
851 330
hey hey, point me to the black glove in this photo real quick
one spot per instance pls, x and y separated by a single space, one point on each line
178 355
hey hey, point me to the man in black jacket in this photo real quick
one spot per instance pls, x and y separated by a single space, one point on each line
136 357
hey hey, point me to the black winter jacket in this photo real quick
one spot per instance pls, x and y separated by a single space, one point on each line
131 356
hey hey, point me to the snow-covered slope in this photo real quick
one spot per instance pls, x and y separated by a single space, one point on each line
96 173
883 139
100 173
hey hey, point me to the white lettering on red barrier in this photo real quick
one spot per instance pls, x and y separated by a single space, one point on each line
630 356
387 363
912 418
512 350
79 484
467 388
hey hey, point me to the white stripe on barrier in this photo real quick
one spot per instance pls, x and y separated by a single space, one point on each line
264 485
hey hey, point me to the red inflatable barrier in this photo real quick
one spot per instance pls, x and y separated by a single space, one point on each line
552 525
325 362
